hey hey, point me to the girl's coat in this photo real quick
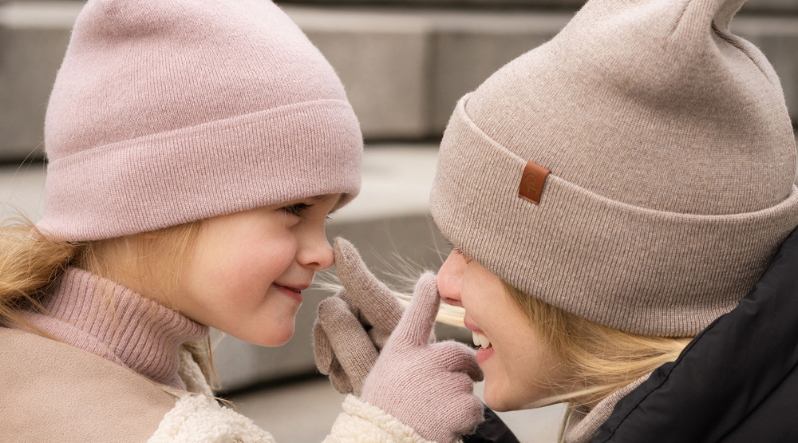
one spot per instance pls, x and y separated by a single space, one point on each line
54 391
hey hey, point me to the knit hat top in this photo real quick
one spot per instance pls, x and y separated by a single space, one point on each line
169 111
636 170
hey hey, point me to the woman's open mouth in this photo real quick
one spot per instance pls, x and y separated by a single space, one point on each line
485 346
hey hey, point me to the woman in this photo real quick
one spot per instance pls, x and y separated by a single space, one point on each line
609 195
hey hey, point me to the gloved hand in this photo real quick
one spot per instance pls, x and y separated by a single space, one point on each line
353 326
428 387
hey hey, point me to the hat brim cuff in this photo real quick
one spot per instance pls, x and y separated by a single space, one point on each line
635 269
166 179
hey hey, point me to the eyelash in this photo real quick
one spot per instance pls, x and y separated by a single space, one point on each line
455 248
451 245
299 209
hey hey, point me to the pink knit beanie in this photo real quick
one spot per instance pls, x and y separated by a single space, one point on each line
637 170
169 111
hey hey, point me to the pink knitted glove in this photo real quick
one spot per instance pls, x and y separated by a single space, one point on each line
354 325
426 386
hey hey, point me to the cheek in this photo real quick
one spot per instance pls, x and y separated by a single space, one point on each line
506 372
247 266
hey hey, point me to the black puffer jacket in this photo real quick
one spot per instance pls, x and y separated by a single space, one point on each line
492 430
736 382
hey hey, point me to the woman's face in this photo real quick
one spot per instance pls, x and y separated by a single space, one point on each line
519 368
249 269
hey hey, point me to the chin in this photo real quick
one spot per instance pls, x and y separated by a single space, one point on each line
496 401
278 336
271 337
497 406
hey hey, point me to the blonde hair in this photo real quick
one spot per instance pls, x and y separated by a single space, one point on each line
30 263
596 358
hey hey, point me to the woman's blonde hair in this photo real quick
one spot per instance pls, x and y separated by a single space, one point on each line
597 359
30 263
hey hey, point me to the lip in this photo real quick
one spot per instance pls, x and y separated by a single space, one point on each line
294 292
471 326
483 355
299 288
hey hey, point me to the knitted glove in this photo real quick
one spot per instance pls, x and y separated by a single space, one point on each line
426 386
353 326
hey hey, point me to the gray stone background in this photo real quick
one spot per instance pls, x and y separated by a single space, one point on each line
404 64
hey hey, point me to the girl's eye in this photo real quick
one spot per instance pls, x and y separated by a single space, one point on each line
298 209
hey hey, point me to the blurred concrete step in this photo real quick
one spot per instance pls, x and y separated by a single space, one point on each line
420 62
771 6
33 38
404 69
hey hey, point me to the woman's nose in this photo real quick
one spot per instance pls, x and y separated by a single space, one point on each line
450 278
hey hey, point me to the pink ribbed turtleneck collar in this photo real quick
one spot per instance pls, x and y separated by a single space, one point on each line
116 323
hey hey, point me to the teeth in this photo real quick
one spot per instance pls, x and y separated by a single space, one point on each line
480 340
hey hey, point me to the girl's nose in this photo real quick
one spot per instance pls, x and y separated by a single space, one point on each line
450 278
316 253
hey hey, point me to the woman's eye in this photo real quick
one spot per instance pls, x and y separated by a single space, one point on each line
298 209
457 250
452 246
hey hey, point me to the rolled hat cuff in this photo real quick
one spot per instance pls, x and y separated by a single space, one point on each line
166 179
635 269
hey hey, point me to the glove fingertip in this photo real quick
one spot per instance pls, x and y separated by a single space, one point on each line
419 318
340 381
344 251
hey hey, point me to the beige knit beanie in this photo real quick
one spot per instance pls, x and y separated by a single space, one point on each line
671 159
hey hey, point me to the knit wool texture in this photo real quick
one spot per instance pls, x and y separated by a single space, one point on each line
166 112
353 326
672 161
427 386
115 323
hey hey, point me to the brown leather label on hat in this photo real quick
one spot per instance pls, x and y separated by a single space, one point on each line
532 182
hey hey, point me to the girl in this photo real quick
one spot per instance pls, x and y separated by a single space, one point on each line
610 195
195 150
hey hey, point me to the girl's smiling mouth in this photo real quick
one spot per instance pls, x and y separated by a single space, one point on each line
294 292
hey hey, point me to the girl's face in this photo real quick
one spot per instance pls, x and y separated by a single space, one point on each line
519 368
249 270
